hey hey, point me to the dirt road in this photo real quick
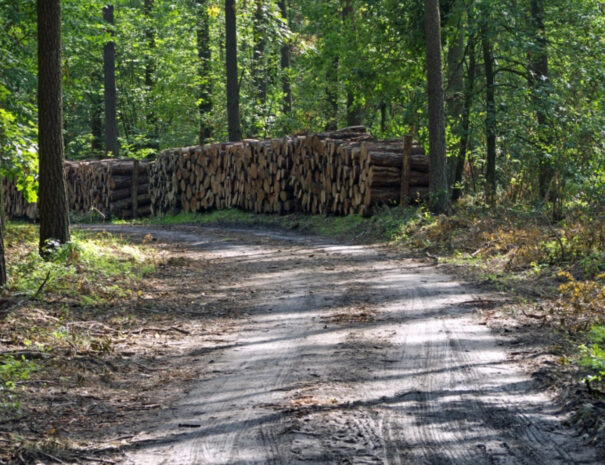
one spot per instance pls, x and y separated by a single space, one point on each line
350 355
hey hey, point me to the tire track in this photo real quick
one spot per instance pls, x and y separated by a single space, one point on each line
351 356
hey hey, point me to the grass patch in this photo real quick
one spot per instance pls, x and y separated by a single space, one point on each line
94 268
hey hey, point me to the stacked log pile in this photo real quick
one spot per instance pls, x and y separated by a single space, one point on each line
112 188
252 175
339 172
347 171
15 205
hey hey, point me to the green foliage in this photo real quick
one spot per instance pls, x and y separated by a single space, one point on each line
93 268
592 356
13 370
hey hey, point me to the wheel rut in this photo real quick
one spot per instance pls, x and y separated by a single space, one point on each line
351 355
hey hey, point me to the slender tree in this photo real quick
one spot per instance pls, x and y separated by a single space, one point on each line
490 115
233 118
439 198
150 68
52 201
259 68
3 275
354 115
109 69
540 85
465 120
285 62
204 55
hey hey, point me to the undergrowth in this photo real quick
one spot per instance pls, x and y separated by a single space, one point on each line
55 306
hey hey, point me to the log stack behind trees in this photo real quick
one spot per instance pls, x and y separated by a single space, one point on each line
107 187
340 172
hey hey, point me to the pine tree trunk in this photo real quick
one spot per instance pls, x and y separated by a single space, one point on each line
204 56
233 119
439 198
455 81
150 68
465 121
259 75
332 95
539 82
3 275
490 118
285 64
52 201
109 69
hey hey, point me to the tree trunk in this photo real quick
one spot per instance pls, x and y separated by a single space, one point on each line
259 69
465 121
354 111
490 118
332 95
96 119
204 56
455 81
540 85
109 69
152 120
285 63
439 198
233 119
54 219
3 275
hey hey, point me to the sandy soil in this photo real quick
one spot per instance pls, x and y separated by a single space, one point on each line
340 354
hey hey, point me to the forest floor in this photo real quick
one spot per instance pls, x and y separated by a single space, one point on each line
262 346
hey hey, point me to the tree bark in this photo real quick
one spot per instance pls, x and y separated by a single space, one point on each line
204 56
332 95
3 274
52 201
354 113
490 118
150 68
259 69
439 198
109 69
540 85
233 118
96 119
285 63
455 81
465 120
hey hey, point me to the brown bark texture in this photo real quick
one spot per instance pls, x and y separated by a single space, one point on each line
54 219
439 198
233 116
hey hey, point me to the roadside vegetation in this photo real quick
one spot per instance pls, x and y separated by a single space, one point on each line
61 321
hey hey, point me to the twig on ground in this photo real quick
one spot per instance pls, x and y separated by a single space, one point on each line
35 296
52 457
161 330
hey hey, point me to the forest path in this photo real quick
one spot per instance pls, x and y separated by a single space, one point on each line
347 354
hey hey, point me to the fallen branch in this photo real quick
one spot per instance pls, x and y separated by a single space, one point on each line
35 296
161 330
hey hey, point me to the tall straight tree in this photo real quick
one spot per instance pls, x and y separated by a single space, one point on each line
539 83
109 70
52 201
204 55
150 67
490 115
439 198
233 119
285 62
